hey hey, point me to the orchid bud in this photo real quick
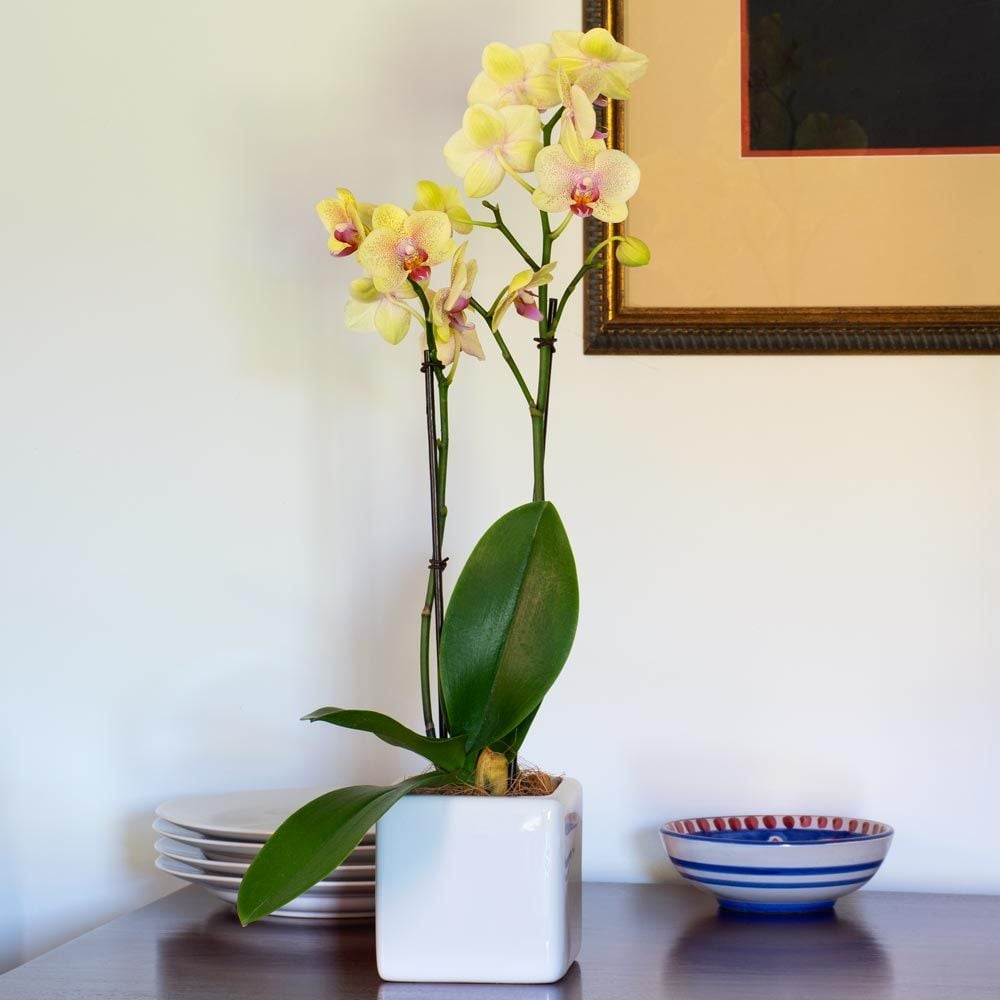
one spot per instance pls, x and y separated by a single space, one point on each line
632 252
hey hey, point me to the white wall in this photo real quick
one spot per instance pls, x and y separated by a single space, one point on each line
214 516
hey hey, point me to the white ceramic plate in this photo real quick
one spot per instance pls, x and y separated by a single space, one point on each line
356 874
290 913
250 816
238 850
322 898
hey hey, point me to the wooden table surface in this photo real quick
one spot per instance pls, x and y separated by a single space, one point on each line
640 942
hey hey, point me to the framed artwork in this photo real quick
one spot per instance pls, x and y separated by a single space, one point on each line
819 176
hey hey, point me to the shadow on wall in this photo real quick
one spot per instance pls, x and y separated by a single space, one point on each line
649 850
11 916
289 340
137 852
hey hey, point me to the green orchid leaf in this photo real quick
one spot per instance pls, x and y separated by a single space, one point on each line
315 840
510 744
510 624
449 755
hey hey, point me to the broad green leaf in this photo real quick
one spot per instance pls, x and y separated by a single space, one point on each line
315 840
509 625
449 755
511 743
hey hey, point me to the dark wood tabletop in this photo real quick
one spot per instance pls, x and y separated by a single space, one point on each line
640 942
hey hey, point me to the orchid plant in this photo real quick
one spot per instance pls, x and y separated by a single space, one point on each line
512 617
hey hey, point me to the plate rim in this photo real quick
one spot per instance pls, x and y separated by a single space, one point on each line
163 844
213 829
196 839
201 878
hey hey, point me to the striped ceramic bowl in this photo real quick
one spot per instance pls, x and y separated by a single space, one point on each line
771 863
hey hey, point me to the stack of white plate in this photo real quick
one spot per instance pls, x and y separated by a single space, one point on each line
210 840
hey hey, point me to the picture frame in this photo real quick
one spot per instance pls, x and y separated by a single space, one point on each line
615 324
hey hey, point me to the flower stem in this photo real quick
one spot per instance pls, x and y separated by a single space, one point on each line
434 583
588 265
513 173
558 231
511 239
549 126
538 452
425 657
545 352
592 256
442 513
437 458
505 352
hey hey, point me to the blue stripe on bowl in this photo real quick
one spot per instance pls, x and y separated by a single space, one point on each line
773 885
747 870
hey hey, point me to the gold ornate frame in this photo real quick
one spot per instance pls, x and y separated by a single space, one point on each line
612 327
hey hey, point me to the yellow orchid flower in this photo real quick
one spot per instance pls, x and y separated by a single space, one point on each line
579 120
445 198
519 294
366 210
599 182
598 63
515 76
451 326
403 246
345 222
493 141
386 312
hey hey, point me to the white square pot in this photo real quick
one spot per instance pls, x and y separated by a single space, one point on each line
475 889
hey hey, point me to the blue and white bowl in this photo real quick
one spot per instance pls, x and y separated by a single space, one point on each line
769 863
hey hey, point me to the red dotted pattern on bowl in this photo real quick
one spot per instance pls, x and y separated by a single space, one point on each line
713 824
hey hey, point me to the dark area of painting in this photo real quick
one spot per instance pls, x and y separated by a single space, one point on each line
878 74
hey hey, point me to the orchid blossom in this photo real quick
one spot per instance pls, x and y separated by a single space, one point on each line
492 142
451 325
515 76
445 198
519 294
598 183
579 119
403 246
386 312
597 62
344 221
